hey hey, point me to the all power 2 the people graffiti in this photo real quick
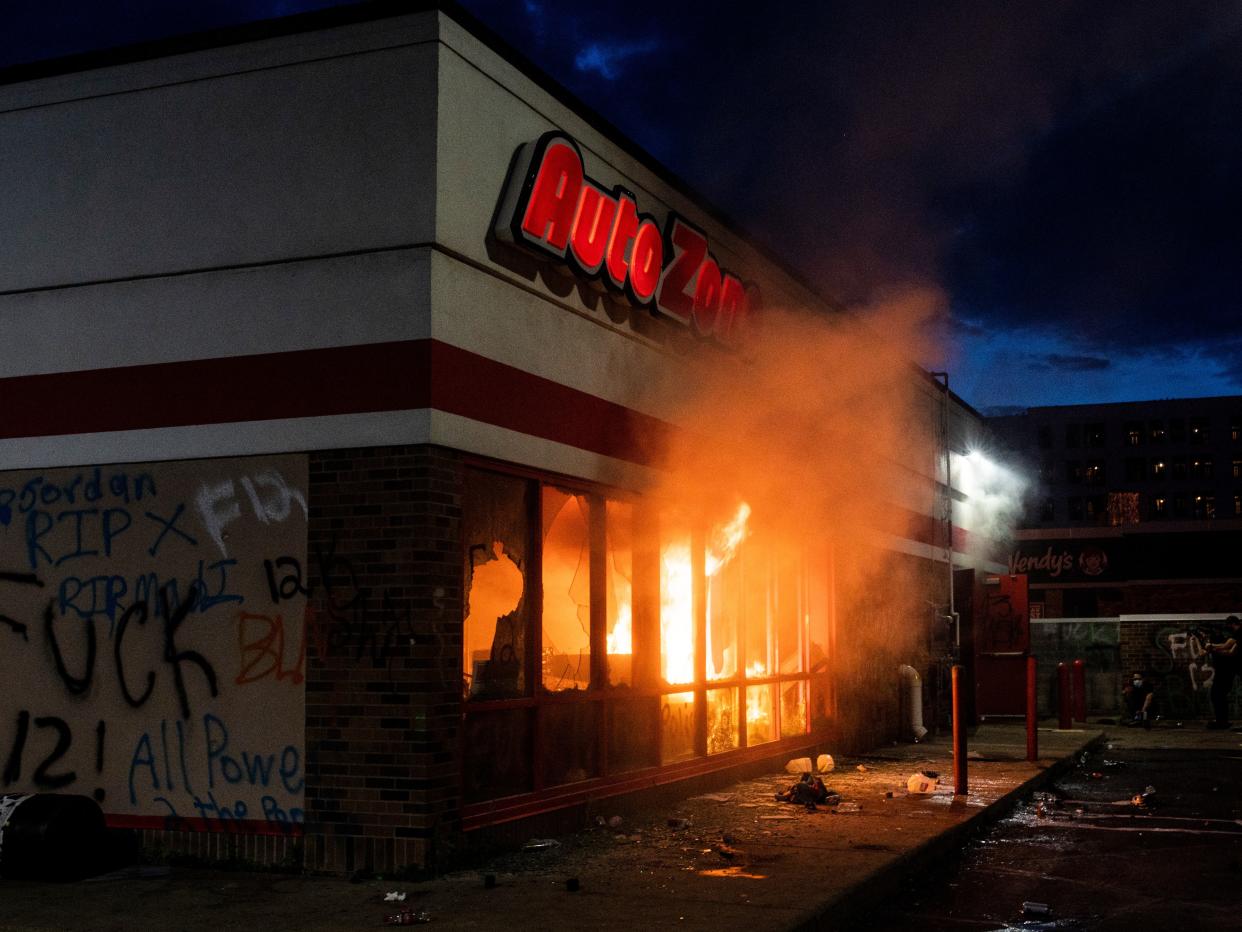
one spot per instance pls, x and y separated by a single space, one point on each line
125 592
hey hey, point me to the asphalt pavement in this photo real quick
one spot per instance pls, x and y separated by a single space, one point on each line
1145 834
732 859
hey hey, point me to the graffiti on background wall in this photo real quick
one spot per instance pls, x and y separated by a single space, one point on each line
141 657
1184 675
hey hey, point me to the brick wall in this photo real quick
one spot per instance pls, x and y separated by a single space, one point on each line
383 664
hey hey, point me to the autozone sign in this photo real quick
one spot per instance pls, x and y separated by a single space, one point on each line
552 208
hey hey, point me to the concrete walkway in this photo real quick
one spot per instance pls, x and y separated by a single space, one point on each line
734 859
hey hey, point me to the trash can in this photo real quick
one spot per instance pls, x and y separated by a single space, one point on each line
51 836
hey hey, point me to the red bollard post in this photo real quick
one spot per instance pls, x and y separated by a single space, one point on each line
1063 697
1080 691
959 735
1032 712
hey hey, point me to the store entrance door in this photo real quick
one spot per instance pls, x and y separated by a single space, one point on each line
1002 643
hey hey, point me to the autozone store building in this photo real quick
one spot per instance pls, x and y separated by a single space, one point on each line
327 425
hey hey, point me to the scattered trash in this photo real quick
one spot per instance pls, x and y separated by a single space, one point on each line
571 885
799 765
407 917
1096 775
973 755
541 844
808 792
679 823
861 768
922 782
1038 910
847 808
713 798
394 897
1143 799
728 852
825 764
1112 764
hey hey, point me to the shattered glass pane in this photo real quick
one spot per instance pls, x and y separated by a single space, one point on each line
566 651
760 607
495 527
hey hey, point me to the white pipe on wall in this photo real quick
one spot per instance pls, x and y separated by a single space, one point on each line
914 702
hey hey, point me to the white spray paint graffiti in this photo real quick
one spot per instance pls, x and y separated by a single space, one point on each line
271 501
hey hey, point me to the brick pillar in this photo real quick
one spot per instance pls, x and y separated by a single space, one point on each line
383 681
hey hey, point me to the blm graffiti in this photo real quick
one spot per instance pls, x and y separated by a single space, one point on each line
127 594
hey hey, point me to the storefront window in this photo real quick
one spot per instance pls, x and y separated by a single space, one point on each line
760 714
619 592
676 727
677 634
722 734
652 638
496 528
566 650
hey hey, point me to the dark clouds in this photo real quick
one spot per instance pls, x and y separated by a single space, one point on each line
1063 363
1061 168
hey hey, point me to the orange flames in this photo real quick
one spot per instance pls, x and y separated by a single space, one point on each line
677 592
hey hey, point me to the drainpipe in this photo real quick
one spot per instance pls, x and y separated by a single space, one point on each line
913 684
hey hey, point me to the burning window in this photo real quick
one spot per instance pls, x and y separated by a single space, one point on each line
619 591
566 558
664 638
495 526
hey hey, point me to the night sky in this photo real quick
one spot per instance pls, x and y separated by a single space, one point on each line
1060 179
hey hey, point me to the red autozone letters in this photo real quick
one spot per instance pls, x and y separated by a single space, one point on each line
552 208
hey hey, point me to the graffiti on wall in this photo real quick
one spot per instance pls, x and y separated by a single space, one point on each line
1184 685
142 641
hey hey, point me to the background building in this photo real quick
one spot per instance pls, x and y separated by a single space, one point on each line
1134 529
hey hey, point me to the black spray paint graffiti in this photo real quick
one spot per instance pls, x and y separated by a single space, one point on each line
173 616
353 621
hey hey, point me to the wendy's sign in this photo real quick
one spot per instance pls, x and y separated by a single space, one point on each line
552 208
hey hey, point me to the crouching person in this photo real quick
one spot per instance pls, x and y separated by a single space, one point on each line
1140 698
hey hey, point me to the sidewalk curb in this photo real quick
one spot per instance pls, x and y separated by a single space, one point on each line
846 910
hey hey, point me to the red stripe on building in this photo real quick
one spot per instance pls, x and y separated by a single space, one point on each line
374 377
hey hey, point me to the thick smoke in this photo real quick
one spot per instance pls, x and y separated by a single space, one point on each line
827 430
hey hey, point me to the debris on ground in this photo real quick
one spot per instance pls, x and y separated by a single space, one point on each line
541 844
407 917
679 823
922 782
1037 910
799 765
1143 799
844 808
825 764
394 897
861 768
809 791
974 755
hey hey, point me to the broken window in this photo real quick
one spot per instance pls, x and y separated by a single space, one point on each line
496 530
566 558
